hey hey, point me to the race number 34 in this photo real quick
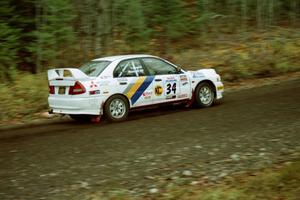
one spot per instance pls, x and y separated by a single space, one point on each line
171 87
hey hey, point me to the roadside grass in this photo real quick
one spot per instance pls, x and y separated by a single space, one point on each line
282 183
271 184
22 98
235 56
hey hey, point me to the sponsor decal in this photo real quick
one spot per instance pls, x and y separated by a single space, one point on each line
158 90
198 75
93 92
135 90
170 78
171 97
170 81
185 83
182 96
105 92
147 94
183 78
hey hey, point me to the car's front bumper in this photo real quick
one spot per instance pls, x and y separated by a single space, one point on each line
219 90
76 105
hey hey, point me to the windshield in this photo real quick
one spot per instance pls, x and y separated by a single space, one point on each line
94 68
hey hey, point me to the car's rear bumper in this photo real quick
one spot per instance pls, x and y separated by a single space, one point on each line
77 105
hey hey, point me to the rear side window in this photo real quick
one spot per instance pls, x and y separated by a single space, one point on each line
129 68
94 68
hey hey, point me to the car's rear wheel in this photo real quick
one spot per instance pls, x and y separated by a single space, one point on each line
116 108
204 95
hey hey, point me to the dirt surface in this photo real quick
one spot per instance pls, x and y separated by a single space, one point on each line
249 130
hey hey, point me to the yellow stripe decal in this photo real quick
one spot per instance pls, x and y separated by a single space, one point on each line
135 87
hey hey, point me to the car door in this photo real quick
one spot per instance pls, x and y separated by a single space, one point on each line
135 83
185 87
166 84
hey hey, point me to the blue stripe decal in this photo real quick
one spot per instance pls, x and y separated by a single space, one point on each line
141 89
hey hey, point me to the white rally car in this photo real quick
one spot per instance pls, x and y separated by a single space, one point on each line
114 85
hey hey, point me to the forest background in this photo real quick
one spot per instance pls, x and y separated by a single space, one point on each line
241 39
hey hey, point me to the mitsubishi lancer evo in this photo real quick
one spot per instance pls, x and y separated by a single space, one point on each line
112 86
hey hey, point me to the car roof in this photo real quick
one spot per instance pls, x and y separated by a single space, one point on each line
122 57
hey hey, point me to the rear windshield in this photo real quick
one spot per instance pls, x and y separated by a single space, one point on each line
94 68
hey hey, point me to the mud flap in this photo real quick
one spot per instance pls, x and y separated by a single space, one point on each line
96 119
191 102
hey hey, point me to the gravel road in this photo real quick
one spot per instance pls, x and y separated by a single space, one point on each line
251 129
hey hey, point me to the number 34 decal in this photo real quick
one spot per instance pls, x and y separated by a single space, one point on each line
171 88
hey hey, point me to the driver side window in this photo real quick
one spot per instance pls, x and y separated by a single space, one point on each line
158 67
129 68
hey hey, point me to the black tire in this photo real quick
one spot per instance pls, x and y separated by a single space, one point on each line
81 118
116 108
204 95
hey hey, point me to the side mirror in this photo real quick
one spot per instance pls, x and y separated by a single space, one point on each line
178 70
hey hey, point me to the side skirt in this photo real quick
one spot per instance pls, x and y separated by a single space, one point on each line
178 102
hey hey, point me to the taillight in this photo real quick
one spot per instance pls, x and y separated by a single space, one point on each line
78 88
51 89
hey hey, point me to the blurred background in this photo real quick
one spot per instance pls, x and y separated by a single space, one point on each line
241 39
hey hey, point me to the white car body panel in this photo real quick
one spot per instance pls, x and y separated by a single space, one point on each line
207 75
140 91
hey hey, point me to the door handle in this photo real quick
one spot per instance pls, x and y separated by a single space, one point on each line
158 79
123 83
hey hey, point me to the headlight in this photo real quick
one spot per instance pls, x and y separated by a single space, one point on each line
218 78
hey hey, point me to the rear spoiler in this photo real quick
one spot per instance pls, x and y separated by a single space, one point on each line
65 76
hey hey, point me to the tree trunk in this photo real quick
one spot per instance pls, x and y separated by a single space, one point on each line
271 13
293 12
38 14
258 14
99 27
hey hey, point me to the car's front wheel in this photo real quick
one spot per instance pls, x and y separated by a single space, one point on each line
116 108
204 95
